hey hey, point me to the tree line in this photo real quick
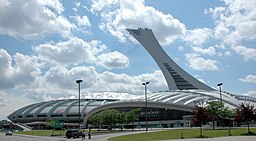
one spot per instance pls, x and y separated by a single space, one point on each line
203 113
215 111
112 117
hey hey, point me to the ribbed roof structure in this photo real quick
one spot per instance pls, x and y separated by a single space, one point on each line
67 109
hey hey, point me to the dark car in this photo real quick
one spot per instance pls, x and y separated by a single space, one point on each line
74 133
8 133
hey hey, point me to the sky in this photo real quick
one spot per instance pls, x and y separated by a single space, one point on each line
45 45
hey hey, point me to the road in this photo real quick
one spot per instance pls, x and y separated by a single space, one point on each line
104 137
19 137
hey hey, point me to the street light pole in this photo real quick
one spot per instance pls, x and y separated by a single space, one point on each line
219 85
146 104
79 115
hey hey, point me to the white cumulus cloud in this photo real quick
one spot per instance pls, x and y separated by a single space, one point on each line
65 78
82 21
250 93
235 22
113 60
198 63
33 18
249 79
207 51
197 36
9 104
118 15
17 70
247 53
131 84
73 51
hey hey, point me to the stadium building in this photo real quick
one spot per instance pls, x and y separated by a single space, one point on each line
165 109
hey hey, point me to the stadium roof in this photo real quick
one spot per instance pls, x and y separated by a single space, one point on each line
67 109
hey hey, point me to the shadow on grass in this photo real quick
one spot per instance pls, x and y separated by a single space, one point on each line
249 134
216 129
201 136
56 135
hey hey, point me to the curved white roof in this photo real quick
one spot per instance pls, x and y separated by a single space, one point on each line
67 109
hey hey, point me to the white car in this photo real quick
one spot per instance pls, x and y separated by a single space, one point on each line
8 133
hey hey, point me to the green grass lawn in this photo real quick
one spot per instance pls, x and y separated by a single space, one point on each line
176 134
41 132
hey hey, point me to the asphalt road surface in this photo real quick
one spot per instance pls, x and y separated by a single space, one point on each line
104 137
17 137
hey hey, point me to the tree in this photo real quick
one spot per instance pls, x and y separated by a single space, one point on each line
228 113
201 116
216 109
121 119
50 123
132 116
109 117
245 113
112 117
96 119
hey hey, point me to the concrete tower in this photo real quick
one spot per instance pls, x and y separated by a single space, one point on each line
175 76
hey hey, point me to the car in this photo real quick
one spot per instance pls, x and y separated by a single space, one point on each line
8 133
74 133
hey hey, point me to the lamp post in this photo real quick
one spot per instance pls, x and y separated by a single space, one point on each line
219 85
146 104
79 115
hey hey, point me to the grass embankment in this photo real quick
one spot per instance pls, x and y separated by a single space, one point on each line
42 132
36 132
176 134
